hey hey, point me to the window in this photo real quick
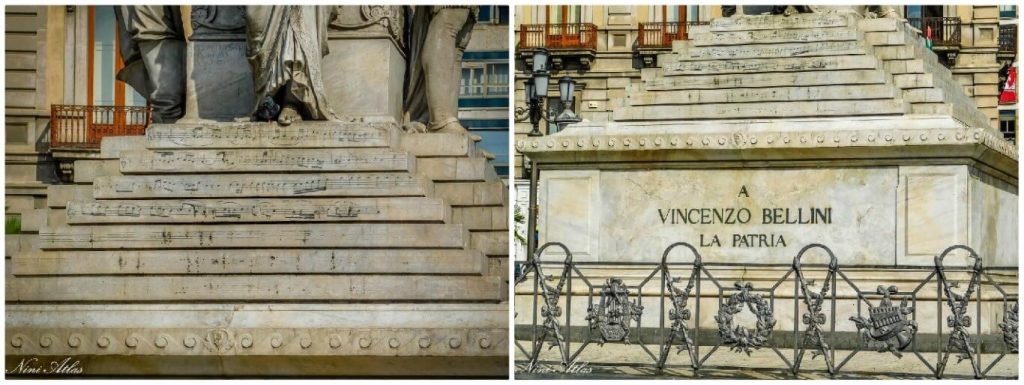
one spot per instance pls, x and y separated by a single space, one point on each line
1008 11
494 14
564 14
105 61
484 80
1008 125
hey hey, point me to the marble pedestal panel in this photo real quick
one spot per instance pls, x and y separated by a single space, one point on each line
366 76
219 83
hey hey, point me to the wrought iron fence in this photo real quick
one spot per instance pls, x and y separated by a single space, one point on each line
558 36
73 126
945 31
661 34
886 318
1008 39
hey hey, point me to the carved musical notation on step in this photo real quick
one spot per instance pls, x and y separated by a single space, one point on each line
822 48
343 235
777 36
256 210
262 185
770 65
254 135
184 161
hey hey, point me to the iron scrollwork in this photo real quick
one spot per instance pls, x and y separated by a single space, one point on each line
614 313
814 318
887 329
738 338
959 339
551 311
679 334
1009 328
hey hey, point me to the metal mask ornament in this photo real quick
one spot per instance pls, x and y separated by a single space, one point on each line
613 315
887 329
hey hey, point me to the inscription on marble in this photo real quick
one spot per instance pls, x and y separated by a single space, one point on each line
265 160
759 80
743 215
777 36
771 65
815 20
254 135
206 186
774 51
254 210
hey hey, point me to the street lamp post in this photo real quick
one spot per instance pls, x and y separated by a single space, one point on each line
536 88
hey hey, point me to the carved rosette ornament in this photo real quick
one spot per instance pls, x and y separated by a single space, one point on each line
738 338
614 313
888 329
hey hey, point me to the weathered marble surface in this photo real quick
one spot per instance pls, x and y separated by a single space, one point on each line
261 185
250 261
262 135
396 235
267 160
777 36
258 210
630 216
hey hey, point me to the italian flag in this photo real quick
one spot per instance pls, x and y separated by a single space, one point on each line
928 37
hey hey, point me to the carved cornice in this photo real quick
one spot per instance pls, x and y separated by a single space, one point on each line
390 18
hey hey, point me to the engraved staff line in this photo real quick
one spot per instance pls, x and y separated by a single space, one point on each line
271 159
303 187
193 210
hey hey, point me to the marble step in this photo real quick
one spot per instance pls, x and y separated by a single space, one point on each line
265 160
923 95
260 185
780 94
769 22
309 134
481 217
493 193
886 38
456 169
785 50
782 79
761 110
761 66
438 144
490 242
86 170
364 235
398 209
235 288
251 261
58 196
769 36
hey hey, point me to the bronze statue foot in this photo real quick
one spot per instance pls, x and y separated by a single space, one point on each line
288 116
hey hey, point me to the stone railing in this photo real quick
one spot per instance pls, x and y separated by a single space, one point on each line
73 126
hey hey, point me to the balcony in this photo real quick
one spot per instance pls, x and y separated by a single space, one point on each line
657 37
83 127
945 31
660 35
571 43
1007 42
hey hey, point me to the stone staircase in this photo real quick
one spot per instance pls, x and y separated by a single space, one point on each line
805 65
385 243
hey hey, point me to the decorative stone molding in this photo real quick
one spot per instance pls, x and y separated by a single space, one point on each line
364 18
227 341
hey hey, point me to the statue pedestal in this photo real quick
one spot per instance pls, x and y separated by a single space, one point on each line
218 83
366 77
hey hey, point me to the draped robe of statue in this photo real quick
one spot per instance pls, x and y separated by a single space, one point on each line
285 46
152 43
438 35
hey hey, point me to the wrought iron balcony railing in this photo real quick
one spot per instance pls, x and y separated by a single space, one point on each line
1008 39
945 30
73 126
659 35
581 36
